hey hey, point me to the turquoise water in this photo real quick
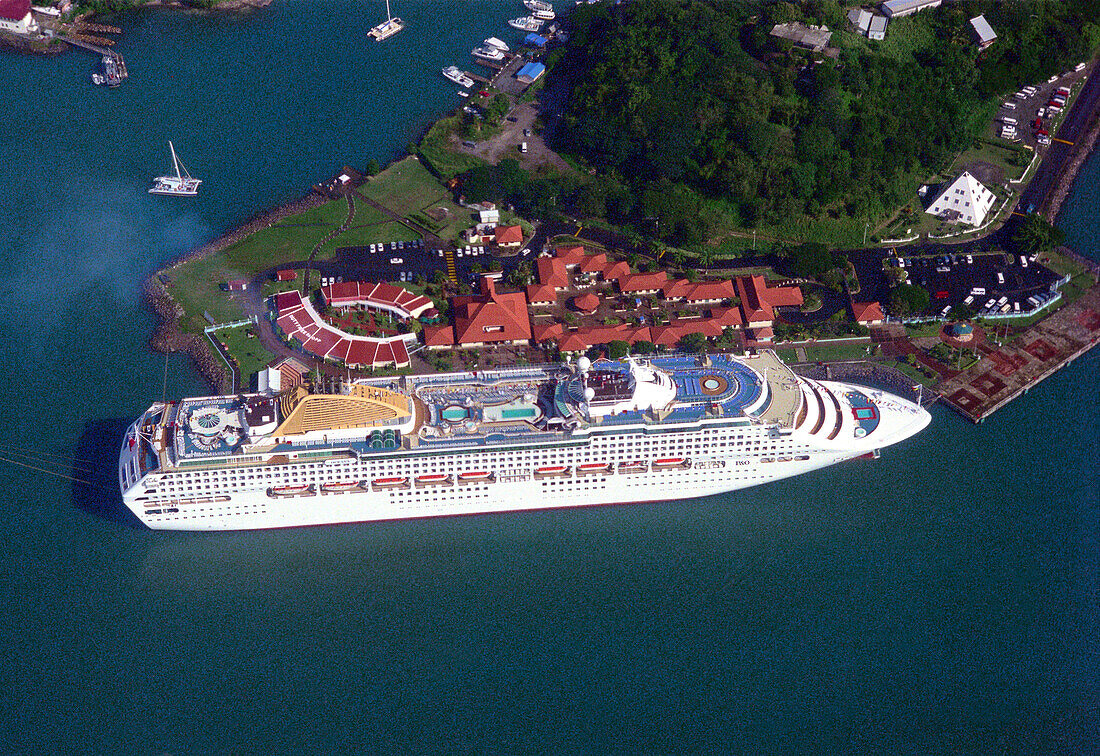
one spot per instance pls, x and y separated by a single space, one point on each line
523 412
941 599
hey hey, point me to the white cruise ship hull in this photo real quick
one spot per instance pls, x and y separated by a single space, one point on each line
606 466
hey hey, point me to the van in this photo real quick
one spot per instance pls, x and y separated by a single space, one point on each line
1023 261
978 291
1008 120
969 300
1000 277
1015 306
1063 91
1009 105
523 147
1002 300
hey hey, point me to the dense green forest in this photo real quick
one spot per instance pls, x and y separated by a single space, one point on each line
695 117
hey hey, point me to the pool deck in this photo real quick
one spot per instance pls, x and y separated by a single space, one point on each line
1008 371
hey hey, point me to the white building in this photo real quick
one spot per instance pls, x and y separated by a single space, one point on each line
870 25
983 31
965 200
899 8
15 16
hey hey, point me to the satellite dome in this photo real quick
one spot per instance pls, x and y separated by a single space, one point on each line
584 364
589 394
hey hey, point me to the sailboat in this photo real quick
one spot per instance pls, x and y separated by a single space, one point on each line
181 184
387 28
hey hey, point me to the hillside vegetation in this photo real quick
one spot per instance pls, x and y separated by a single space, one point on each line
712 123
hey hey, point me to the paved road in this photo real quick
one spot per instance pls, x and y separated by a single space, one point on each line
1041 189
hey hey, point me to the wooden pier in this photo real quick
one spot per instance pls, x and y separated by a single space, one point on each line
113 63
1005 372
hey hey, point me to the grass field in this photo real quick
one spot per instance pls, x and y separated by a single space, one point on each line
361 236
408 189
827 352
242 343
436 149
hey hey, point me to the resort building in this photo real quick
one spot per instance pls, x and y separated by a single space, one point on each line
509 236
758 302
491 317
898 8
378 297
15 16
965 200
868 313
296 318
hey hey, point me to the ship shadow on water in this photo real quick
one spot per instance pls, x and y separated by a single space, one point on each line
95 464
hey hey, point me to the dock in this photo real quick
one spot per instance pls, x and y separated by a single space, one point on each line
1010 370
114 66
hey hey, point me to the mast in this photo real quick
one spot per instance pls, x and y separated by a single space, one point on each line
175 162
389 16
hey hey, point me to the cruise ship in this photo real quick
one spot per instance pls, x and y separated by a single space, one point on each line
670 427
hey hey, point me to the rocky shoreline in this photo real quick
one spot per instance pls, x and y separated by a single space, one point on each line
1082 149
168 336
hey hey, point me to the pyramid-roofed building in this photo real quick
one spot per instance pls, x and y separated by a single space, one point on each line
965 200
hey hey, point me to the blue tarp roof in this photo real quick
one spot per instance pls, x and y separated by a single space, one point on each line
531 71
535 39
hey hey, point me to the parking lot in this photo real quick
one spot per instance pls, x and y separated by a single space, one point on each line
951 276
1027 117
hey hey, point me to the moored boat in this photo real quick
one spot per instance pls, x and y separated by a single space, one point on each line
525 23
387 28
487 52
458 77
183 184
497 43
537 5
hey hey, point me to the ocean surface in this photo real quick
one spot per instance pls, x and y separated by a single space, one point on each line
942 599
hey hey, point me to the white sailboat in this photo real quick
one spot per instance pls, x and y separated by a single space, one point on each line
387 28
182 184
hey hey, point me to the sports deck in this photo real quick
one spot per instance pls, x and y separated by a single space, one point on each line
1005 372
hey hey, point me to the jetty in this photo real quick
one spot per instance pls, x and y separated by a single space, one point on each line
1008 370
114 66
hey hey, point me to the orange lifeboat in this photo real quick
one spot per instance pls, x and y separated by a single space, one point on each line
382 483
554 471
595 468
434 480
670 463
475 476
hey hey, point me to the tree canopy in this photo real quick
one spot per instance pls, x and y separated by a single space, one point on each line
694 104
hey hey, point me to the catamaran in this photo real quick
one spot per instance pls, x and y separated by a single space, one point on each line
182 184
387 28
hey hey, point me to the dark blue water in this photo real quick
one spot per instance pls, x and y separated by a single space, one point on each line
942 599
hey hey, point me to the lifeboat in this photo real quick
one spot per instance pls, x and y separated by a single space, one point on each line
434 480
594 468
556 471
671 463
475 476
341 487
630 468
281 492
378 483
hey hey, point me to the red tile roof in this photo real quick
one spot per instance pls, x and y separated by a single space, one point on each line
711 291
552 272
867 312
727 316
586 302
541 294
287 275
758 301
509 234
492 316
15 10
593 263
383 295
643 282
441 335
298 320
547 332
572 255
616 271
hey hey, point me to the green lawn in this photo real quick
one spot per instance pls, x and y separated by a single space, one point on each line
1011 160
242 343
787 355
826 352
361 236
409 189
